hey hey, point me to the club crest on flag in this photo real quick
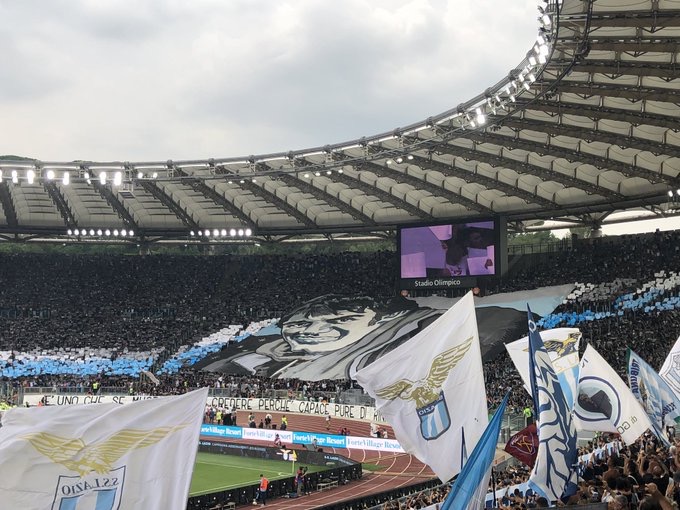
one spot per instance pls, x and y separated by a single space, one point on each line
427 392
96 492
597 399
674 372
98 485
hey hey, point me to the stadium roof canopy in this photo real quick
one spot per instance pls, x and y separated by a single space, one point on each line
587 124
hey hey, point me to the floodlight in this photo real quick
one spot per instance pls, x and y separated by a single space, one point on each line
223 232
117 178
154 175
102 178
140 175
50 175
91 231
192 233
15 176
340 170
207 233
99 232
249 232
306 176
123 232
107 232
216 233
399 160
30 176
115 232
240 232
481 118
76 232
131 233
232 232
69 232
66 179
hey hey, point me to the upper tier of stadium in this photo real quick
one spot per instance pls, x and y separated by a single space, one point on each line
585 125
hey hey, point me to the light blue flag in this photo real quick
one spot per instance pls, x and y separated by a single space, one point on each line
554 474
475 472
655 395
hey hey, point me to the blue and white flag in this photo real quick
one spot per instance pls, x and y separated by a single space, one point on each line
656 397
605 403
562 345
554 473
431 390
101 456
470 488
670 370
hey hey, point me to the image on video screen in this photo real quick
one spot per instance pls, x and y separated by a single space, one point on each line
465 249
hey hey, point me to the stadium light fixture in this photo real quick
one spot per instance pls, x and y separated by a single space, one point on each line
117 178
154 175
481 118
192 233
115 232
66 179
340 171
99 232
140 175
206 233
69 232
123 232
131 233
306 176
223 232
240 232
76 232
15 177
107 232
30 176
49 175
249 232
102 178
216 233
91 231
232 232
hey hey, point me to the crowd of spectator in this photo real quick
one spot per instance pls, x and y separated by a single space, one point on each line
159 302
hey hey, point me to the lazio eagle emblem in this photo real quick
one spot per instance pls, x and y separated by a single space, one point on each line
99 457
427 392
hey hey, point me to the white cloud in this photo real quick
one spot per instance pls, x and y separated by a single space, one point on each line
128 80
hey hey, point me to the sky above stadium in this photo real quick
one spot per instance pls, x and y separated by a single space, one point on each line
142 81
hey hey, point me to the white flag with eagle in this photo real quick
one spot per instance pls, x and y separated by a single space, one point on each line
101 456
431 390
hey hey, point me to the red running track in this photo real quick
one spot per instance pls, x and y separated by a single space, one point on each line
399 469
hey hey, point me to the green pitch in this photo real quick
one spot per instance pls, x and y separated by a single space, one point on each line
214 472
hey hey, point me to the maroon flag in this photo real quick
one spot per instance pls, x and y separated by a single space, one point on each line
524 445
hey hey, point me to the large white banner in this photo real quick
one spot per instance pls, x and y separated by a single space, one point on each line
431 390
605 403
270 405
101 457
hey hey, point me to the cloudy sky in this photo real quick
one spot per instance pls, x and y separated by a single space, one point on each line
136 81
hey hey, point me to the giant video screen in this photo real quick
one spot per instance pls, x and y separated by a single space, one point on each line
448 255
